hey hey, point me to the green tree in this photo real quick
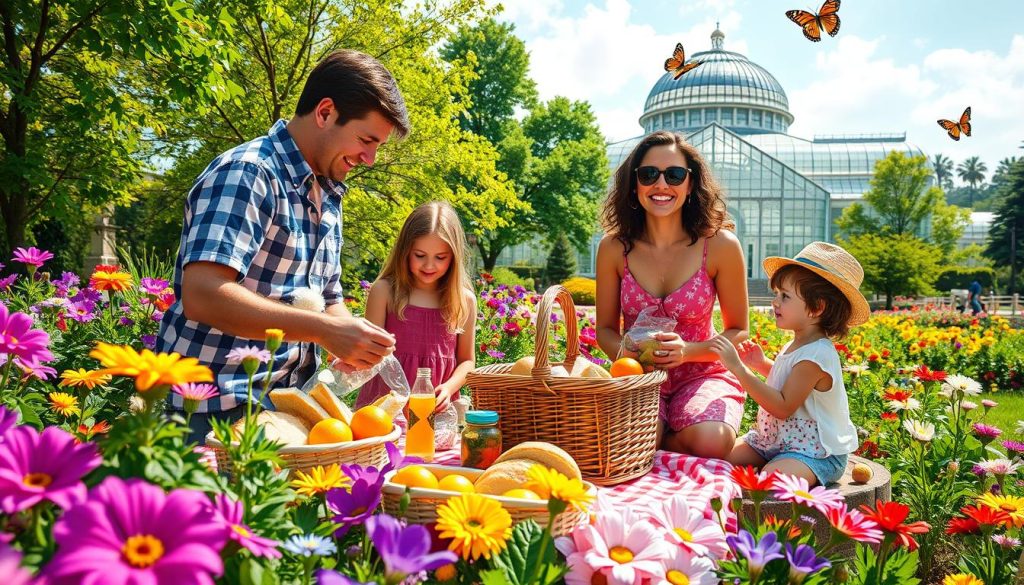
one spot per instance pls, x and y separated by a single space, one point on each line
972 171
900 202
1007 230
1003 170
895 264
561 262
943 166
280 41
82 84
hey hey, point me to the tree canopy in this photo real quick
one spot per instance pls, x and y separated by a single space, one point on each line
1008 224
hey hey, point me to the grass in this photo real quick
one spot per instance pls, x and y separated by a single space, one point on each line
1004 416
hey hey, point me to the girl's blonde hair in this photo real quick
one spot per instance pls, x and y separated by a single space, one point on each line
438 218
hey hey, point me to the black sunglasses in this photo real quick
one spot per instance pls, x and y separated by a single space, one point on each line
673 175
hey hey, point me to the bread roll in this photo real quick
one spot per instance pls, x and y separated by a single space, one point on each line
333 405
502 477
297 402
546 454
280 427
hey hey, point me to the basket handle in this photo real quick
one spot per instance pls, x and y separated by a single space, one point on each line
541 365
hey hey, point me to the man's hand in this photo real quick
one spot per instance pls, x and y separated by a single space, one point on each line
357 343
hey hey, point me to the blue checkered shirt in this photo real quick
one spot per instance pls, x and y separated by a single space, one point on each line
251 210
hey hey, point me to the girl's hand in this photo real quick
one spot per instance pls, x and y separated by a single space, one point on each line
443 397
671 351
726 352
751 354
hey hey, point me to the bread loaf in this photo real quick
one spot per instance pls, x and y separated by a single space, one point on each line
333 405
502 477
280 427
295 401
546 454
522 367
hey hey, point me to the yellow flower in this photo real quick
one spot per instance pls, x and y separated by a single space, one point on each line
82 377
149 369
116 281
63 403
320 480
1012 505
476 524
550 484
274 334
962 579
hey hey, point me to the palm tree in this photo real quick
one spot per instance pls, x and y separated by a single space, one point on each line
972 172
1004 167
943 170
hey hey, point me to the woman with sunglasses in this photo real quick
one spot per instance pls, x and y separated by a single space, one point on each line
669 244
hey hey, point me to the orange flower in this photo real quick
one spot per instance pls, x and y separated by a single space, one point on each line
82 377
116 281
149 369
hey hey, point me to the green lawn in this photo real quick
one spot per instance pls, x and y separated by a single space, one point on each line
1006 415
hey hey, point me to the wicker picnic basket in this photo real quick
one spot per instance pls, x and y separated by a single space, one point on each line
423 502
608 425
365 452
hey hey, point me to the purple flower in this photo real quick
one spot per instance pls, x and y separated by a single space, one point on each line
986 433
32 256
157 316
17 337
759 553
8 418
87 294
38 466
1014 446
353 506
396 460
328 577
11 569
149 341
803 561
152 286
231 512
66 281
356 472
126 322
130 531
364 284
405 550
7 281
496 354
241 354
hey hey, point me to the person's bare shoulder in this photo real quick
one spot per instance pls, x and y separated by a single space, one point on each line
610 251
723 248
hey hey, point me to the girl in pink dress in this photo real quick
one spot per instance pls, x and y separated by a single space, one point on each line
423 297
669 245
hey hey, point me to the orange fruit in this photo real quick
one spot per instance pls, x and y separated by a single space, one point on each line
626 366
416 476
370 421
522 493
456 483
329 430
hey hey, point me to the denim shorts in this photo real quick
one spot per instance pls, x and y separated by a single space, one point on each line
827 470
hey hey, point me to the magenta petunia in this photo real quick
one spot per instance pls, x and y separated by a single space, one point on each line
18 338
32 256
231 513
8 419
130 531
153 286
38 466
11 569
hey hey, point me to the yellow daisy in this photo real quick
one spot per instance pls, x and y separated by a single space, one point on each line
64 404
477 525
962 579
1012 505
320 480
116 281
551 484
149 369
83 378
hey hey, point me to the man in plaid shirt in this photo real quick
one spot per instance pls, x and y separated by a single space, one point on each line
263 220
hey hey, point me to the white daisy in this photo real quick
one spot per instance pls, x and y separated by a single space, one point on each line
920 431
962 386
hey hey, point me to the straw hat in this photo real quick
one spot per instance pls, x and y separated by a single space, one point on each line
835 265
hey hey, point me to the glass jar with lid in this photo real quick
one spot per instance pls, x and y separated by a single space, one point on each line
481 439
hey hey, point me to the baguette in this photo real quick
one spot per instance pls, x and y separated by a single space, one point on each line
334 407
296 402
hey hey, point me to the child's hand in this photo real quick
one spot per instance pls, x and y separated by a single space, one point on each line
751 354
726 352
443 396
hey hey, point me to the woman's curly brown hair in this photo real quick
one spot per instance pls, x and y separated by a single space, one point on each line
704 211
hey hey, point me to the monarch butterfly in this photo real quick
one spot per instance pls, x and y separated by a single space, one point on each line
827 19
677 62
955 128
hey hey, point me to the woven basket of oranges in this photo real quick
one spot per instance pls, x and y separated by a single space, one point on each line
608 425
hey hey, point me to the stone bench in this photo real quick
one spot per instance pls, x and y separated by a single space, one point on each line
879 487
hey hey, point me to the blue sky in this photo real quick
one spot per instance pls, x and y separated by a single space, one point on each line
895 65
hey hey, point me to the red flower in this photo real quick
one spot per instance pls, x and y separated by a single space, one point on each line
896 394
985 516
774 523
963 526
925 375
989 376
873 357
886 353
890 516
749 479
890 416
106 268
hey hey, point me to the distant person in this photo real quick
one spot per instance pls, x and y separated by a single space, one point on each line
974 296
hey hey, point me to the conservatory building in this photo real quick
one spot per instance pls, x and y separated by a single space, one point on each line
783 191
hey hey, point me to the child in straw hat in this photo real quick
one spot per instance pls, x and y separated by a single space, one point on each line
803 424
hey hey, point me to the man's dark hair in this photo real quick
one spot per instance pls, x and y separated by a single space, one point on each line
356 83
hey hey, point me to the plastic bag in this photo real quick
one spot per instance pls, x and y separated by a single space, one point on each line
389 369
446 428
641 337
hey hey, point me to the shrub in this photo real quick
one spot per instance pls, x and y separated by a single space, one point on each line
583 290
960 277
561 261
503 275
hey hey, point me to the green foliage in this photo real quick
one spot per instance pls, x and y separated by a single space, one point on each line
1008 224
583 290
504 275
82 83
561 262
895 264
524 551
899 568
960 277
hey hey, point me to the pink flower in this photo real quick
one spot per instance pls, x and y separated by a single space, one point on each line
17 338
130 531
989 403
682 567
231 512
38 466
791 488
687 527
628 545
242 354
32 256
10 567
152 286
853 524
